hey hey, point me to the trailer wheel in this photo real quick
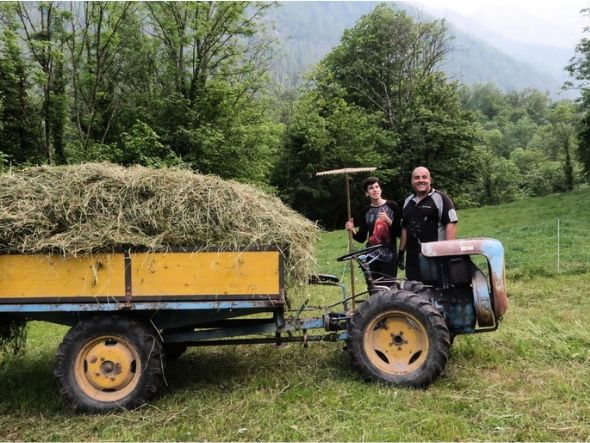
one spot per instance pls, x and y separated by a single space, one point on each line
399 338
106 363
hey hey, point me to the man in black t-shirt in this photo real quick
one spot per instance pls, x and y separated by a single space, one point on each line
378 224
428 215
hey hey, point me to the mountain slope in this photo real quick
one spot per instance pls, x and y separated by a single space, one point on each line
546 58
307 31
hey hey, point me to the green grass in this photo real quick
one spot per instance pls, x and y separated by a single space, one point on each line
529 380
529 232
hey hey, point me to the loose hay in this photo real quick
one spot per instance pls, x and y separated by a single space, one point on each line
102 207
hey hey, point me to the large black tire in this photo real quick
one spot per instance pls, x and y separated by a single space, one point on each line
419 288
399 338
412 286
109 362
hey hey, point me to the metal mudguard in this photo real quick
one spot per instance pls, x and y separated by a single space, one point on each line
491 249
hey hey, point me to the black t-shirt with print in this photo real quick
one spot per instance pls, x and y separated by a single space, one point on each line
367 224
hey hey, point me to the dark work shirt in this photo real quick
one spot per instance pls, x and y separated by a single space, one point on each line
425 220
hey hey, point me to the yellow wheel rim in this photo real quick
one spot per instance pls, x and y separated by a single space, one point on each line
107 369
396 343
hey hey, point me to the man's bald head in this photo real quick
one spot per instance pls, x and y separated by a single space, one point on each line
421 181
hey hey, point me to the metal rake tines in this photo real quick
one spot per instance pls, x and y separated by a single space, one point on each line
346 171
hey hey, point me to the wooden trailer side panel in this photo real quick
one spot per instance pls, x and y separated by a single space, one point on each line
55 276
206 274
139 276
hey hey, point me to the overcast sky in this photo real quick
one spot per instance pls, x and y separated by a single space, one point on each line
552 22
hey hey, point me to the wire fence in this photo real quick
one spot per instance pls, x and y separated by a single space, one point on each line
556 246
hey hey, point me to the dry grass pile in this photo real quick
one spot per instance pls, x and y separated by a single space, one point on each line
102 207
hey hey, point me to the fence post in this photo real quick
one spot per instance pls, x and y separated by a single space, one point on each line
558 243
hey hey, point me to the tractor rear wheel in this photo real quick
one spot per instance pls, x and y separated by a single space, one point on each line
399 338
109 362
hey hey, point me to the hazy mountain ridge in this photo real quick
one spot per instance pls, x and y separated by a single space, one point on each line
307 31
475 61
550 59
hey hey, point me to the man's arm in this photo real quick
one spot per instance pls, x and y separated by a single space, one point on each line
401 262
451 231
403 239
449 217
363 230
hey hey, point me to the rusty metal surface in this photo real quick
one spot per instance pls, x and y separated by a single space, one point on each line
482 301
445 248
490 248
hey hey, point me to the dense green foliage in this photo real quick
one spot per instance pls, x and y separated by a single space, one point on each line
326 132
191 84
153 83
385 68
526 142
579 69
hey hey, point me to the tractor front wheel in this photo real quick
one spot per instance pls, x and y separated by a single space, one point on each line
109 362
399 338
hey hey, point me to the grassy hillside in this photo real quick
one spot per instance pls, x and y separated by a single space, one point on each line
528 229
529 380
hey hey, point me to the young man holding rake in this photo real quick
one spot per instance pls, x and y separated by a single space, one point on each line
379 223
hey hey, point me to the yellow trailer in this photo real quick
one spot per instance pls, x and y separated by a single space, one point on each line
128 277
128 310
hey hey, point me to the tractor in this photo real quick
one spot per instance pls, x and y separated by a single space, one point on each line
133 311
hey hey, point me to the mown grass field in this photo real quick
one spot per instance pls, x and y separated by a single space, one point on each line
530 380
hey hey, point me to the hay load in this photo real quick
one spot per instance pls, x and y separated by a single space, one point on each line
89 208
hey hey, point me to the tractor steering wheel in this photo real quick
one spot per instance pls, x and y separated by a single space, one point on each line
356 254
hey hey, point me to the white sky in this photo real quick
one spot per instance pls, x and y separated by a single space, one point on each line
546 7
553 22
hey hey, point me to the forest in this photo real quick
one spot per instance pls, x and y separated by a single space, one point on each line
191 85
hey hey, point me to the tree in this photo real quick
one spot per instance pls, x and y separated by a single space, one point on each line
498 179
19 128
584 140
210 67
383 60
579 69
387 65
104 60
563 122
142 146
44 36
488 100
193 75
439 134
326 133
542 176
